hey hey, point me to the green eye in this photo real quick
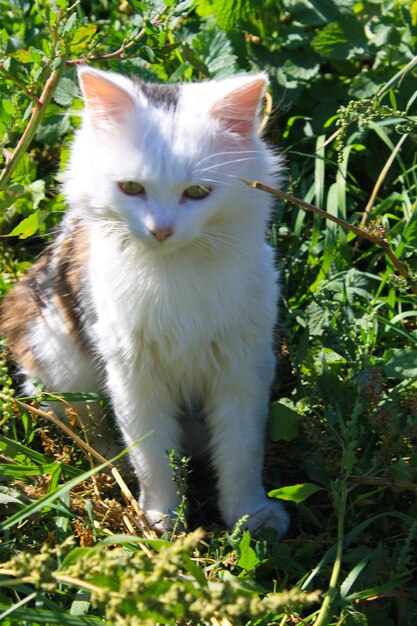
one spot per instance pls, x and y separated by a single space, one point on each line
197 192
131 187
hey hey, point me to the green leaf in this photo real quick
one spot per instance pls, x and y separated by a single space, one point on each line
215 48
341 41
333 10
82 37
6 110
248 558
28 56
228 13
350 579
37 190
18 471
66 92
284 422
194 60
43 616
53 129
295 493
26 228
413 12
402 363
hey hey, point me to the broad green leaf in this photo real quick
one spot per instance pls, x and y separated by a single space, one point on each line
341 41
82 37
7 109
214 46
295 493
402 363
228 13
66 91
26 228
28 56
284 422
53 127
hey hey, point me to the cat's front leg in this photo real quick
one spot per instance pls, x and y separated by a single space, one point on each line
237 412
144 410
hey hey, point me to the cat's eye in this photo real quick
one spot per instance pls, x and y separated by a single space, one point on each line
196 192
131 187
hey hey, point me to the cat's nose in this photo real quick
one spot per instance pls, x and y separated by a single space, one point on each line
161 233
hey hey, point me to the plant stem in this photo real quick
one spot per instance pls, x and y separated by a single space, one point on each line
36 117
382 90
376 239
324 614
381 178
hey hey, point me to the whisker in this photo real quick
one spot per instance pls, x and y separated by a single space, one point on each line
223 163
220 182
217 154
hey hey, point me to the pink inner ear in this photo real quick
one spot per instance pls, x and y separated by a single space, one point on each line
105 100
238 109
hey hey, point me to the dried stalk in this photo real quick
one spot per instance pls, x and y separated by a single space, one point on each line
379 240
124 489
381 178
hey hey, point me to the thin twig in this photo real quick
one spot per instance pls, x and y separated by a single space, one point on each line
382 482
376 239
71 580
381 178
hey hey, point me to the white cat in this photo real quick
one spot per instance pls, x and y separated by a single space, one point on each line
160 288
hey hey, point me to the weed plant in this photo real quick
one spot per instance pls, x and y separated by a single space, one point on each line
343 430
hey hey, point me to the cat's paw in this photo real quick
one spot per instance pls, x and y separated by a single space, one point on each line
161 522
271 515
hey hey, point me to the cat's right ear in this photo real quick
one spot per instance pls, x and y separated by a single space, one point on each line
107 103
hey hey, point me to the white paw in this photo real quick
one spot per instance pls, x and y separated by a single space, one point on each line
271 515
161 522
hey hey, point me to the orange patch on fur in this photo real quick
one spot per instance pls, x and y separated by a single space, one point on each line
44 283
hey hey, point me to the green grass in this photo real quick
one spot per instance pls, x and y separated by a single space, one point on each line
341 451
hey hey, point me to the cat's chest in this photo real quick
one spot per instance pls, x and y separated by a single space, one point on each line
174 307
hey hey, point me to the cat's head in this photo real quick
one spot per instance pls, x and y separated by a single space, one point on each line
161 160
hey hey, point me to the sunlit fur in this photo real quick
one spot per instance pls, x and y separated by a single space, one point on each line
186 322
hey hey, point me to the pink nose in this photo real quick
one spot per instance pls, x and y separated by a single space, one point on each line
161 233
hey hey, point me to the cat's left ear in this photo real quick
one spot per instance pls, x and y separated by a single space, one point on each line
107 102
237 109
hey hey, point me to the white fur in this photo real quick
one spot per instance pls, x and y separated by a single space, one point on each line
187 322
